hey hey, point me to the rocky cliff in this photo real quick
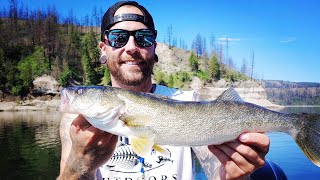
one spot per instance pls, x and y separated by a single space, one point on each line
293 93
249 91
174 59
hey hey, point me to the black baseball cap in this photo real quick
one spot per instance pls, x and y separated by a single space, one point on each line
109 19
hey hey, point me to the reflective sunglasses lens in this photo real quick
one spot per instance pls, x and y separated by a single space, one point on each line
118 38
144 38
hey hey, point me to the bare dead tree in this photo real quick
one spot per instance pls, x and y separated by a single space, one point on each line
96 18
244 67
213 47
252 65
204 47
221 53
169 36
13 21
227 51
197 45
174 42
50 33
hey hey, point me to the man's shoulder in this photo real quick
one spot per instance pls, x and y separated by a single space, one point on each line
175 93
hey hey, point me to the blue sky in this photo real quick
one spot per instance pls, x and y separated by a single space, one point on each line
283 34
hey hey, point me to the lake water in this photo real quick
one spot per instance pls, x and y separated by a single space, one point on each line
29 145
286 153
30 148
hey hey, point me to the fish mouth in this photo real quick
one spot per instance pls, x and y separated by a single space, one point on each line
66 99
112 115
65 96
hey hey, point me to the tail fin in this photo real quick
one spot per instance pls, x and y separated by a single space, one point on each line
308 138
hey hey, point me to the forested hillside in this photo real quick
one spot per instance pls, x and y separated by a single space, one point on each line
292 93
36 42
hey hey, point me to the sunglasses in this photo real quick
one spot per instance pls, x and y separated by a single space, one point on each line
119 37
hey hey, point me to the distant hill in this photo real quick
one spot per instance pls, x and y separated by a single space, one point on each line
173 59
292 93
278 92
288 84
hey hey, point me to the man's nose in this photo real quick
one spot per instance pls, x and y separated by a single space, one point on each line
131 46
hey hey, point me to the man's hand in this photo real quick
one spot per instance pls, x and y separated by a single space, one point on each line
90 149
242 157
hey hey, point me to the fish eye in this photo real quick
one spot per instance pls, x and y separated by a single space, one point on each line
80 91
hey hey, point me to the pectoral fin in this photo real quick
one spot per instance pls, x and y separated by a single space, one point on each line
142 145
161 150
135 120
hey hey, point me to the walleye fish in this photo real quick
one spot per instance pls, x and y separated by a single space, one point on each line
149 120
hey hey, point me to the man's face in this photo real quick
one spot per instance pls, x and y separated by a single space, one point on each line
130 64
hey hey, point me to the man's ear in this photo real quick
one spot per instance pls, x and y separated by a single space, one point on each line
103 48
155 55
155 45
103 57
101 45
156 59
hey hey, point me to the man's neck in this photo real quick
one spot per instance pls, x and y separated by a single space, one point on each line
143 87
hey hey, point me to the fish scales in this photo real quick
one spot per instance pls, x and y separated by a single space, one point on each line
149 120
173 121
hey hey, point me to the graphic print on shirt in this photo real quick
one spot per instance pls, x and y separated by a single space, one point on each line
125 160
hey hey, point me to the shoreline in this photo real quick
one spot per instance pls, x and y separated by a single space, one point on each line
30 105
53 105
301 106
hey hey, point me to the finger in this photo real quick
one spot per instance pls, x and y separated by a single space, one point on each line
110 139
231 169
80 123
219 154
248 153
100 137
114 139
241 162
260 141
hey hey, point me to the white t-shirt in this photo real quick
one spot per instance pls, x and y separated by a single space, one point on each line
126 165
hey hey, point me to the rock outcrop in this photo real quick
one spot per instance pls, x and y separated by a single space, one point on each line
46 84
250 91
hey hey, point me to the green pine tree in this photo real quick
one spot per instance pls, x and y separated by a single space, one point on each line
193 62
159 76
106 79
89 73
66 75
214 67
171 81
89 45
32 66
2 70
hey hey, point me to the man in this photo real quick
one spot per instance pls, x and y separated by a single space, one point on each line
128 49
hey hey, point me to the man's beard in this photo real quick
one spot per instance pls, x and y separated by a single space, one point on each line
134 77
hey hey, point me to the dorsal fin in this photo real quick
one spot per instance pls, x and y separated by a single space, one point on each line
157 96
230 95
